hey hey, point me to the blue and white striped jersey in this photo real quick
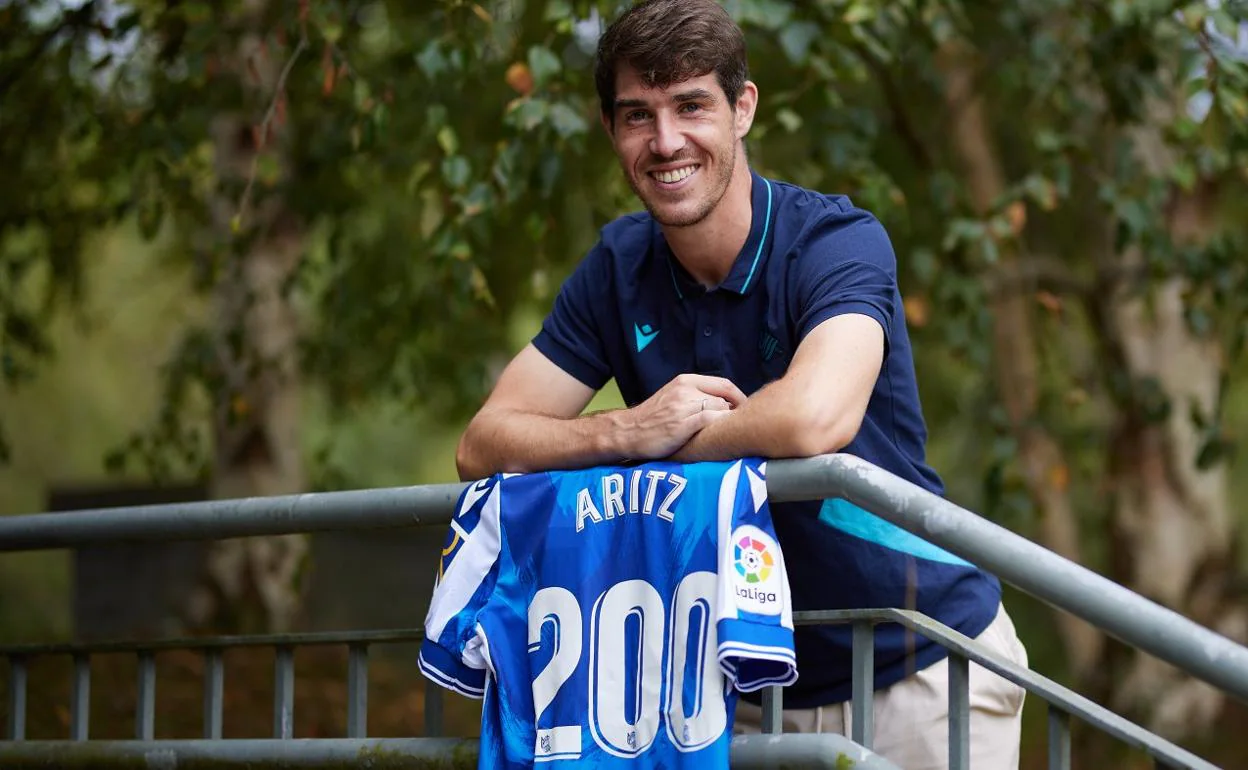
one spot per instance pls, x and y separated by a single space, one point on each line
610 616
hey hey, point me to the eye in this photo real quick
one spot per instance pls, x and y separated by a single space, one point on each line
690 107
635 116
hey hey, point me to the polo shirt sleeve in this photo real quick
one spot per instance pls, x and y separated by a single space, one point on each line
846 265
571 335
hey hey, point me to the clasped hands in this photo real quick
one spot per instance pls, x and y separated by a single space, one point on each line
664 423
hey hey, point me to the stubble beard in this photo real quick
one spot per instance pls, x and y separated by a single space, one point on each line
714 196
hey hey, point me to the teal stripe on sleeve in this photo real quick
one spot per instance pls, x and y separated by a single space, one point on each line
853 520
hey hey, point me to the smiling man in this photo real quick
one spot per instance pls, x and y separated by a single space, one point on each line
744 316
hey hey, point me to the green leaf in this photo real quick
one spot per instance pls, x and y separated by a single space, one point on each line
543 64
1041 190
566 121
528 114
789 119
432 213
447 140
456 171
796 38
923 263
859 12
435 116
963 231
332 30
557 10
1184 175
268 169
419 172
767 14
431 60
478 200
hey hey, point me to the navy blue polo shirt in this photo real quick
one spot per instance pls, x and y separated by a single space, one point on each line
630 311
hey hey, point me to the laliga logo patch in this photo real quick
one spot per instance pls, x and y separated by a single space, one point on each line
753 560
753 554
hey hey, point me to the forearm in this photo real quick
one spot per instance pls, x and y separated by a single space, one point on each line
511 441
818 405
777 421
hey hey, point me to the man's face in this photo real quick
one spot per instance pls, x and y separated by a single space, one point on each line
678 145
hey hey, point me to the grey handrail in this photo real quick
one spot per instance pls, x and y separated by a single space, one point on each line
388 507
1016 560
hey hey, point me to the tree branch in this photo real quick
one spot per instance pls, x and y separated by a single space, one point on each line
896 106
262 132
1036 273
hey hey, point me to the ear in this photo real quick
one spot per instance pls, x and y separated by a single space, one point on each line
747 103
607 124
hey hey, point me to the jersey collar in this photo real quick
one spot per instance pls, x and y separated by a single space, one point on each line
747 268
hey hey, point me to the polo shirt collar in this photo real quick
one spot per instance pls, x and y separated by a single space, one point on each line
747 268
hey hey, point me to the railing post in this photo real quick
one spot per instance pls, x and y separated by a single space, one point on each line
145 703
863 684
80 711
433 710
357 690
773 710
214 691
17 698
283 692
1059 739
959 712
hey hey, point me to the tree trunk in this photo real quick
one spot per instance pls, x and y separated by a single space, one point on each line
251 584
1016 366
1172 518
1174 530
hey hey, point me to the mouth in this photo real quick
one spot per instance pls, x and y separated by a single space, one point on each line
673 177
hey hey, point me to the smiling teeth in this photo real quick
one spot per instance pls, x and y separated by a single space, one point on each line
674 176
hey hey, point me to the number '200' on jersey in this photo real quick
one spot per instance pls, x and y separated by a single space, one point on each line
609 616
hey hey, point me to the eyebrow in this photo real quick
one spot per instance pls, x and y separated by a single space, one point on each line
696 94
692 95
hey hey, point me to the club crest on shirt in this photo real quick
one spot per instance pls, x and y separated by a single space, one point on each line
769 346
755 570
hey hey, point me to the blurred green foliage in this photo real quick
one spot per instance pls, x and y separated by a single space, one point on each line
447 171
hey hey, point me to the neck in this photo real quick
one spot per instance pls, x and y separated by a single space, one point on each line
708 249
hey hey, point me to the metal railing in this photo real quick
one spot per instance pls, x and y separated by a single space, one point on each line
747 752
1015 560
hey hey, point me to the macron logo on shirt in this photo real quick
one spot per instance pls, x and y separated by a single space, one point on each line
645 335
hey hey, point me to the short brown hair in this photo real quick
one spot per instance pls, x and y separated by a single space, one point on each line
670 41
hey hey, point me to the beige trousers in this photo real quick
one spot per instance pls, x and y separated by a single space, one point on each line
912 716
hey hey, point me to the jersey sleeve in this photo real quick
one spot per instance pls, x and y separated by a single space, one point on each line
570 335
755 617
847 265
453 653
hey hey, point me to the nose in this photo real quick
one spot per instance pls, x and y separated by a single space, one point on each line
667 139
